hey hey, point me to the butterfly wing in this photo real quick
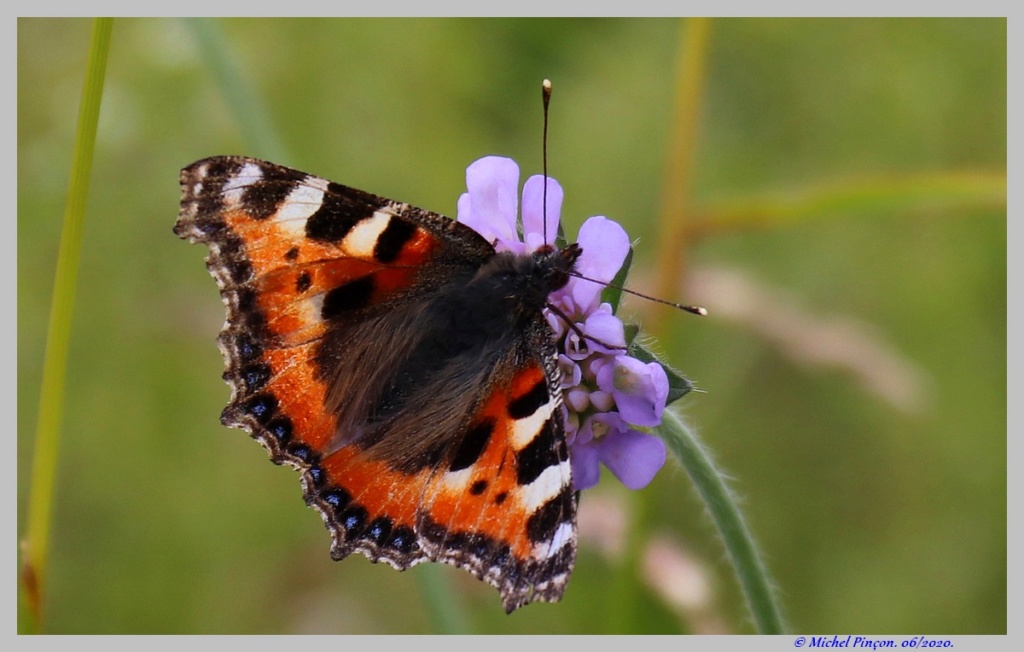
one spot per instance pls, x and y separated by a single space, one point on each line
327 289
502 506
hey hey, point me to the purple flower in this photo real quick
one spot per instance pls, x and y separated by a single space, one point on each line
609 246
492 203
605 391
633 457
640 390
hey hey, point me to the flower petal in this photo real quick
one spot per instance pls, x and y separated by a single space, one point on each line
602 401
572 425
585 462
575 347
577 398
605 245
634 458
534 232
640 390
605 331
491 206
570 371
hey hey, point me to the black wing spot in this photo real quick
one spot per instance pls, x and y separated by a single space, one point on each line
353 520
530 402
473 445
303 283
264 197
248 348
392 239
478 487
216 174
538 455
255 376
317 476
348 297
247 299
261 406
281 430
542 524
231 248
337 498
336 215
402 539
303 453
239 270
379 530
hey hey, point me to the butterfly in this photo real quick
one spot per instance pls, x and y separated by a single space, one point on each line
401 364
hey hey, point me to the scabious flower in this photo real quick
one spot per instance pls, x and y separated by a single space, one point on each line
607 394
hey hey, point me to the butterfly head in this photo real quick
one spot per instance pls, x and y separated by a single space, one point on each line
555 266
526 280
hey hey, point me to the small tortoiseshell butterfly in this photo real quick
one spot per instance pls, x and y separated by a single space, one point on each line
401 364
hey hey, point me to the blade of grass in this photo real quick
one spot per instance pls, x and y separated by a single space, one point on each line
444 612
36 543
247 105
739 543
926 190
675 194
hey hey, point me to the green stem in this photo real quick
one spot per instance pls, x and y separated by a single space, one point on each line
675 195
246 104
443 611
36 543
746 559
944 190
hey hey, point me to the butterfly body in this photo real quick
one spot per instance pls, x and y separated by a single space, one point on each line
401 364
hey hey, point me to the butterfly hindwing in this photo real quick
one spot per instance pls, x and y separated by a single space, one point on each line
503 506
418 438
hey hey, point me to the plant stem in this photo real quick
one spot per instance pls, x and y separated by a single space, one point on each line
246 103
746 559
443 610
675 194
961 190
35 545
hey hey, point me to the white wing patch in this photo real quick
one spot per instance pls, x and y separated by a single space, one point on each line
301 203
361 240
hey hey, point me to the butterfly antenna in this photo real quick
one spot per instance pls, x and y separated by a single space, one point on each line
695 310
546 97
579 333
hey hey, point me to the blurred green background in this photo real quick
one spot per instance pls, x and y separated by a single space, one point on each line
850 179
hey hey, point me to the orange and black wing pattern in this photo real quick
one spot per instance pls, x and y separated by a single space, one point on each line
353 355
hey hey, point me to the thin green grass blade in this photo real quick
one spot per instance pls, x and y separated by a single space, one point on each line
949 190
739 543
35 545
673 213
445 613
246 104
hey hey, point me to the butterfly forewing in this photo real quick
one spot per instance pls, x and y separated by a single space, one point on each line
360 349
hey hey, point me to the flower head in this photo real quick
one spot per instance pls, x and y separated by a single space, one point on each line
607 394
